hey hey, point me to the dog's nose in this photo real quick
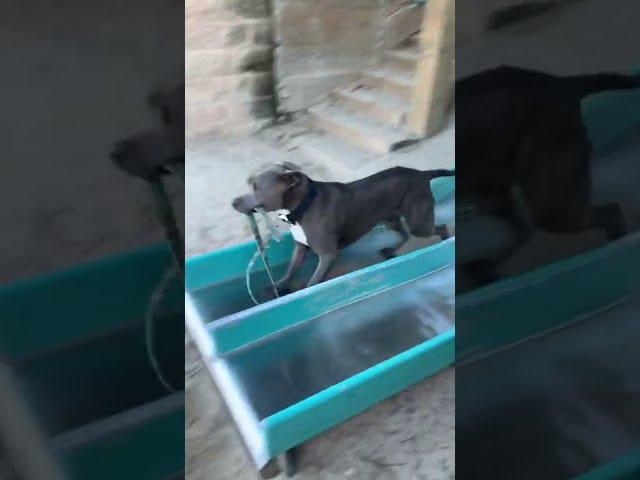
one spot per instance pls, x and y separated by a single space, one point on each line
236 202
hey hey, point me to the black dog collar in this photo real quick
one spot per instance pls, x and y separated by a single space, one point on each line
296 215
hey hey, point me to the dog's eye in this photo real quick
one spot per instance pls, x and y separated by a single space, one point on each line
255 186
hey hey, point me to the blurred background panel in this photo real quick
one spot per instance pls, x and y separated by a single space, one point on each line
547 378
91 300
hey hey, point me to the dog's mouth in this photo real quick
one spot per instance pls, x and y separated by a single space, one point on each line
246 211
244 206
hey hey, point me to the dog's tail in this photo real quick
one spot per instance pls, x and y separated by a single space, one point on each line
439 173
584 85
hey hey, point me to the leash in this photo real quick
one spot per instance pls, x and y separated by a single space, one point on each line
260 252
150 314
167 218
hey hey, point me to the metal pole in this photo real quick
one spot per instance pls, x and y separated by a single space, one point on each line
168 219
261 250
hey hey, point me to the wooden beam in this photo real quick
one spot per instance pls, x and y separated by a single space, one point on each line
433 85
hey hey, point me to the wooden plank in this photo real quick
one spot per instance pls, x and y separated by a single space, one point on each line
433 86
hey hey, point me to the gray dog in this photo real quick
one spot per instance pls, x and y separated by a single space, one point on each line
332 215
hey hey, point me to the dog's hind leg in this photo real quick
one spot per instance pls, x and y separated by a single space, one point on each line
396 224
442 231
419 216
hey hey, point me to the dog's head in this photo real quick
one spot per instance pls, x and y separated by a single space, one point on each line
156 150
270 186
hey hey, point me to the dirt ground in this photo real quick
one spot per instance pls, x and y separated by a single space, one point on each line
409 436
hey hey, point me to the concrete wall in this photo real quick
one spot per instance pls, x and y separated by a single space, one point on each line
228 66
322 44
402 19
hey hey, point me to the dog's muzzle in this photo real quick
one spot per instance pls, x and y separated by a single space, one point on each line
245 204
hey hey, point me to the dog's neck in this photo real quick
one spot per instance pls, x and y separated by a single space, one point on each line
294 196
299 199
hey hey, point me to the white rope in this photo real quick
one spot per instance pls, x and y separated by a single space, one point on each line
247 276
154 302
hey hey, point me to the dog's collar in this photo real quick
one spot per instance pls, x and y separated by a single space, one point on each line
296 215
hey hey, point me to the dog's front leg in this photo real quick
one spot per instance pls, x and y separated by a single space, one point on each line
297 258
324 265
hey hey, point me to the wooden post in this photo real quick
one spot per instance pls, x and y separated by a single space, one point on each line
433 85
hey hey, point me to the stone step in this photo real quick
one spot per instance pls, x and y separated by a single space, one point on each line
358 129
341 158
402 58
394 81
411 42
373 102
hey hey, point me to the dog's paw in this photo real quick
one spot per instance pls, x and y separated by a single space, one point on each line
443 232
388 253
271 294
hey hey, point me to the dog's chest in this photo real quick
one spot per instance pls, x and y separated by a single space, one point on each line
296 229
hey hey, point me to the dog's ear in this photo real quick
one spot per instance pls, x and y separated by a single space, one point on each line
291 179
290 167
